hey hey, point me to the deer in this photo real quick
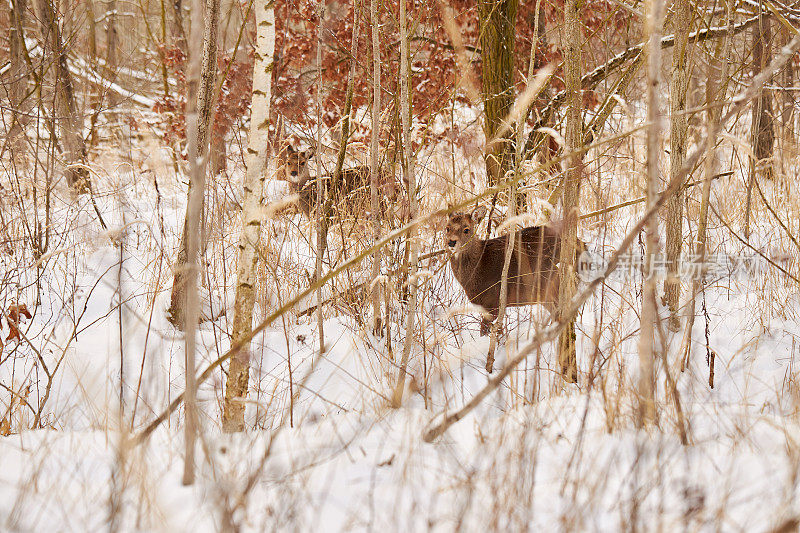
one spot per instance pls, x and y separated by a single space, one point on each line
294 164
477 265
353 181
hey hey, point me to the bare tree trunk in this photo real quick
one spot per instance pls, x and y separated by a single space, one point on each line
68 118
713 115
373 168
787 108
189 301
17 79
164 71
763 131
95 95
218 153
178 27
408 175
497 20
679 125
567 357
111 48
92 37
320 189
325 202
646 392
204 103
239 371
513 203
549 149
205 95
111 36
762 134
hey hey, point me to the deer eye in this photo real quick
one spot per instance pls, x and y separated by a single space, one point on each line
466 230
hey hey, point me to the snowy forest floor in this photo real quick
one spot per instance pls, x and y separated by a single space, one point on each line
324 451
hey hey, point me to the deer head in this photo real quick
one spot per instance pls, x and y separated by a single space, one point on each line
460 230
295 165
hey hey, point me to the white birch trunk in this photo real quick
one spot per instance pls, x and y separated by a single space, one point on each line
239 371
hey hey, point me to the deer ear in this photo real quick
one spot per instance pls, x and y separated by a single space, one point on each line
290 149
308 154
478 213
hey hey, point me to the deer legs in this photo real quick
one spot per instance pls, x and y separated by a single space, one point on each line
488 316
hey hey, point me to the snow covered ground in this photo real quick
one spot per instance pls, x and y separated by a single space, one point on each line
324 450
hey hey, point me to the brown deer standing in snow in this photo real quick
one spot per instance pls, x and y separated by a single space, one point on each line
478 264
353 185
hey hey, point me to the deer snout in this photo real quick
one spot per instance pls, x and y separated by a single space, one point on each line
451 243
293 173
